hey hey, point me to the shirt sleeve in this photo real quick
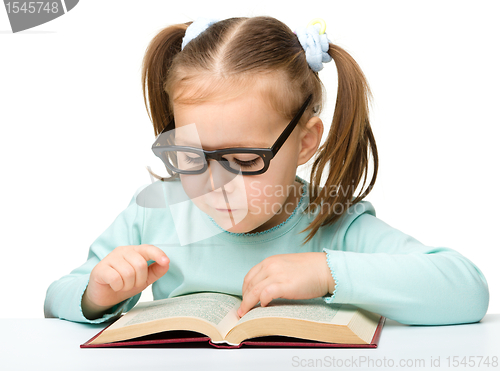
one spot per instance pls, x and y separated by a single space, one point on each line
64 296
381 269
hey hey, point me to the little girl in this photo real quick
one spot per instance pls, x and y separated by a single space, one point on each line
235 106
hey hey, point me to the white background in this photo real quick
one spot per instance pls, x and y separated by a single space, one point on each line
75 135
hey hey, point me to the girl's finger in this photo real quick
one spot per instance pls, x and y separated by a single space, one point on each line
252 297
249 276
151 252
155 272
111 277
270 292
257 278
140 266
126 271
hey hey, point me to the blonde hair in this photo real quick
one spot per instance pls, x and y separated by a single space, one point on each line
236 52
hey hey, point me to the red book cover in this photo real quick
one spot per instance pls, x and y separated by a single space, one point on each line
190 339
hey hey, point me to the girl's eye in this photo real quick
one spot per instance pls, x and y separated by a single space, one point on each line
190 160
237 161
246 163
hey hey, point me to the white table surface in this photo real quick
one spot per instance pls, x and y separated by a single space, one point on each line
54 344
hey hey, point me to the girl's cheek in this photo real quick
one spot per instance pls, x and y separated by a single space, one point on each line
253 189
255 207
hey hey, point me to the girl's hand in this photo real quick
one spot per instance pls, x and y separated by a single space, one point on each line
288 276
123 273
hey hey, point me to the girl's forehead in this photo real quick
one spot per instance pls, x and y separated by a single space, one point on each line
252 96
226 125
239 118
247 104
205 143
210 143
244 114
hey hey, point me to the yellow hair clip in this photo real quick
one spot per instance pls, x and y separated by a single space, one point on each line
319 21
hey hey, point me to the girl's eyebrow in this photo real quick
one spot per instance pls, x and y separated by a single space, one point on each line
208 148
246 145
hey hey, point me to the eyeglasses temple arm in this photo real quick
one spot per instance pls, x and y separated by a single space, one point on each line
286 133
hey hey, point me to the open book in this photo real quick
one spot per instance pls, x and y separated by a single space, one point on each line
214 315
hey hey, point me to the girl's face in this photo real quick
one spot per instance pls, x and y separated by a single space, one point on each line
256 202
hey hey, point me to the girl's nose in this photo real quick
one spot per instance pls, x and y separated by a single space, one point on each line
220 176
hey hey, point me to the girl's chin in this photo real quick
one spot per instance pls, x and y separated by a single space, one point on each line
230 225
234 222
234 228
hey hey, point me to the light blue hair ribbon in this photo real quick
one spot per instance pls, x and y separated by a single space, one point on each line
316 45
196 28
312 38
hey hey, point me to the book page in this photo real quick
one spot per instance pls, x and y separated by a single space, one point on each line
311 309
211 307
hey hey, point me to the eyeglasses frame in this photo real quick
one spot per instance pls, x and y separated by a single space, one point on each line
267 154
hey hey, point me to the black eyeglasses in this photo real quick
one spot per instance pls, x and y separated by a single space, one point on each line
250 161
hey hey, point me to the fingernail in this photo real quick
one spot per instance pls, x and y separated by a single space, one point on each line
239 312
164 259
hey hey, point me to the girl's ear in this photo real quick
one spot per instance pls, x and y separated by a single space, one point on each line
310 139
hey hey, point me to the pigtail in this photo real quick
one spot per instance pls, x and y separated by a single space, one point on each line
345 151
155 68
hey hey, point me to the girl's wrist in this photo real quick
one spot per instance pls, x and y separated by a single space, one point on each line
330 282
90 310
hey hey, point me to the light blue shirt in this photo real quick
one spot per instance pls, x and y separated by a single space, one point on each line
375 266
